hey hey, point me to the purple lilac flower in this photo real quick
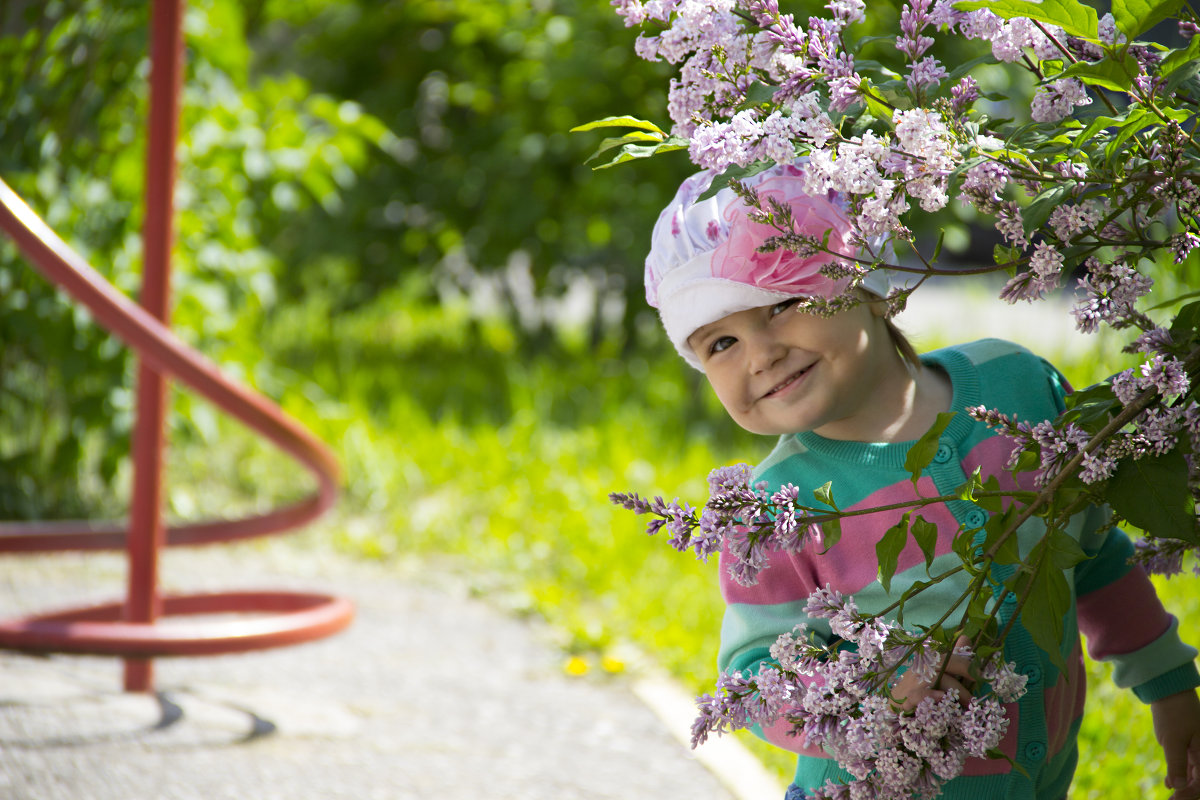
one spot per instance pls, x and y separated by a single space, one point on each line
1184 243
1165 374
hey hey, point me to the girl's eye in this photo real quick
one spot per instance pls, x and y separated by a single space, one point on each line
721 343
779 308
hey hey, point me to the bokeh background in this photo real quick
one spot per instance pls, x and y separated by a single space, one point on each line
385 225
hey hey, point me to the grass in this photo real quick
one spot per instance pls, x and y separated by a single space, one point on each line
456 442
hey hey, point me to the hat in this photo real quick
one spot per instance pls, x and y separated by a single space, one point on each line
704 262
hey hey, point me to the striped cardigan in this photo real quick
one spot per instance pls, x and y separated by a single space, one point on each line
1113 603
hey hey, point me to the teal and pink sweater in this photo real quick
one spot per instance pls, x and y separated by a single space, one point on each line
1114 605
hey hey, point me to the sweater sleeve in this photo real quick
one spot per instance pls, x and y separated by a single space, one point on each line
1125 623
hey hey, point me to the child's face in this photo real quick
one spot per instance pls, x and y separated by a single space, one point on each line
778 371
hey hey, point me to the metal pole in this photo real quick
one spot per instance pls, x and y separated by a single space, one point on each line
146 532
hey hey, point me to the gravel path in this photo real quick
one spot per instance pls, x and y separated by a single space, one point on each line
431 693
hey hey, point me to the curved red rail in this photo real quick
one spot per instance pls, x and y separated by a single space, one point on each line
131 629
168 355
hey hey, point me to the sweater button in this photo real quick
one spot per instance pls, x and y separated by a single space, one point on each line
1033 672
943 454
1035 751
976 518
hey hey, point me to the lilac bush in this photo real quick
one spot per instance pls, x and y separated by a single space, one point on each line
1093 188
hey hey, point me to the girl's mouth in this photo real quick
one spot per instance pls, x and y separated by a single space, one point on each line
788 382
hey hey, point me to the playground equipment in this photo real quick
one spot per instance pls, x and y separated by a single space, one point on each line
215 623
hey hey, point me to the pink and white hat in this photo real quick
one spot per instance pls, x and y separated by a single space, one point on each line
704 262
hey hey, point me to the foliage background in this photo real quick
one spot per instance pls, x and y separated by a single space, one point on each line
384 224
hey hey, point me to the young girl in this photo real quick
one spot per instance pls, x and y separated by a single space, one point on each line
846 395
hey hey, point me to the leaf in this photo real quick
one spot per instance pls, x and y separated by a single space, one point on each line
1072 16
630 152
1037 212
925 533
636 137
831 534
1183 57
1137 119
1186 324
1109 73
759 93
1065 552
921 454
1136 16
733 173
824 494
1048 600
1152 493
619 122
1008 552
887 551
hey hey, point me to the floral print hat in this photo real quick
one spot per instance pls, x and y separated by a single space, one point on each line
704 262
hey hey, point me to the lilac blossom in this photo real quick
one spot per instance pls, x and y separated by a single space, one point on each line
1056 101
837 698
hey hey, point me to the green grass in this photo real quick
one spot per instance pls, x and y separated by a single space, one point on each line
459 443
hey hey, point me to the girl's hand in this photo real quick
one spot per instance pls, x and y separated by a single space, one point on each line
910 690
1177 728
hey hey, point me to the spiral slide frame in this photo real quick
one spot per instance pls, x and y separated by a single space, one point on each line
215 623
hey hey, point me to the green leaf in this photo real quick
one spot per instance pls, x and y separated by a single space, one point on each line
1008 552
1048 600
1137 119
759 93
630 152
619 122
1065 552
1152 493
1186 325
831 533
1183 57
1037 212
1072 16
824 494
993 504
887 551
733 173
921 454
1109 73
1133 17
967 490
925 533
636 137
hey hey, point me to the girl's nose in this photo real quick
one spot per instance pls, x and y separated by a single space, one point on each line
765 352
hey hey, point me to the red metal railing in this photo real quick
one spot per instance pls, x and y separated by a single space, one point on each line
131 629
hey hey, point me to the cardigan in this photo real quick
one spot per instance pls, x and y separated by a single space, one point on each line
1113 603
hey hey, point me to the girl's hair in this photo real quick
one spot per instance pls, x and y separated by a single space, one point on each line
903 345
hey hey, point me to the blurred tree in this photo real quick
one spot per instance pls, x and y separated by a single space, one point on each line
72 118
480 97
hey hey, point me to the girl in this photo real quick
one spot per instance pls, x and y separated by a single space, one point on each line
846 396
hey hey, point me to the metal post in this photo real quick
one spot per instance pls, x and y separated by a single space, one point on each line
146 532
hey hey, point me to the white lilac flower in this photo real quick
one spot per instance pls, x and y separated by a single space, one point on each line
646 47
847 11
1069 221
981 24
1056 101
